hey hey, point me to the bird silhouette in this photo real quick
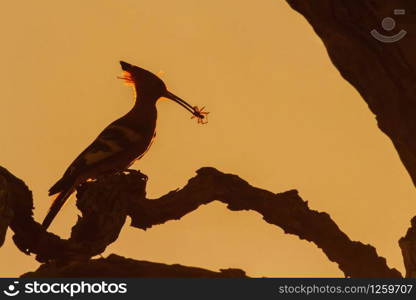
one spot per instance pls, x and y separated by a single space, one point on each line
123 141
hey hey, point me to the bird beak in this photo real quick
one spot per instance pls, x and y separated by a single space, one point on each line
183 103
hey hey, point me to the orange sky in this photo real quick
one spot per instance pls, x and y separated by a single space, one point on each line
281 118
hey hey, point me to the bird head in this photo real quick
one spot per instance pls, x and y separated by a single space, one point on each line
149 87
146 84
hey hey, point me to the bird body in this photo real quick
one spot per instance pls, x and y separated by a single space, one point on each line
115 148
120 143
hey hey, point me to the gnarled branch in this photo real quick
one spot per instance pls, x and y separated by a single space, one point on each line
118 266
106 202
408 246
383 73
286 210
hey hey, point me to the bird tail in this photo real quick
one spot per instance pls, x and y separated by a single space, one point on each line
56 206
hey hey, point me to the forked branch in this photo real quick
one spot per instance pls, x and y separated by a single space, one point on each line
106 202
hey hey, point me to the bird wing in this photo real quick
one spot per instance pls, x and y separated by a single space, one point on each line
111 142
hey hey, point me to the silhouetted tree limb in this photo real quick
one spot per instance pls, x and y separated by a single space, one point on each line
6 212
384 74
106 202
286 210
16 206
70 258
408 246
118 266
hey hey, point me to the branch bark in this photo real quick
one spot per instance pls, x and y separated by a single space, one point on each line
118 266
384 74
106 202
286 210
408 246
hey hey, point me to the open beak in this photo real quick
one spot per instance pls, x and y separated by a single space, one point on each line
184 104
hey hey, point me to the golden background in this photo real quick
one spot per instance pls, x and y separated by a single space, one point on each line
281 118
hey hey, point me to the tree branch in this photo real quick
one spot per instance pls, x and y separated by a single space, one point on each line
118 266
384 74
286 210
106 202
408 246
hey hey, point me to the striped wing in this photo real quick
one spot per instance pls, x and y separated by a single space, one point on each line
113 142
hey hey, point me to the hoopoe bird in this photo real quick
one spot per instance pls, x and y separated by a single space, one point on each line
123 141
